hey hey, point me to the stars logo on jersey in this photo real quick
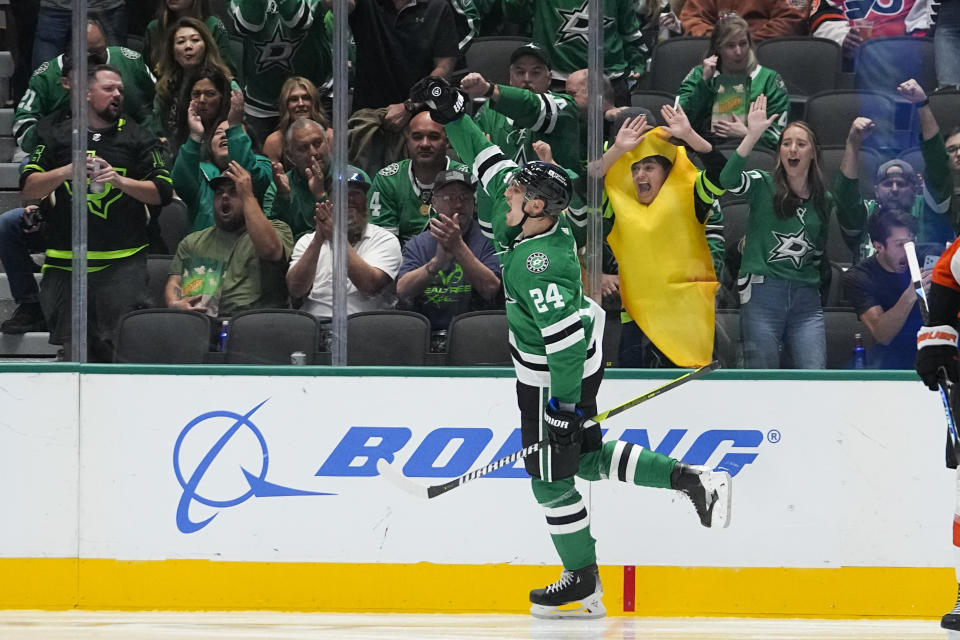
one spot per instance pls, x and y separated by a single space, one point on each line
537 262
790 246
389 170
575 23
278 51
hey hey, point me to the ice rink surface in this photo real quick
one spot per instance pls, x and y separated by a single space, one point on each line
84 625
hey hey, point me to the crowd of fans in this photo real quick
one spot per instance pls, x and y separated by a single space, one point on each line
246 145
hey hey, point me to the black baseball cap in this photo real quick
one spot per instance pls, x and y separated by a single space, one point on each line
531 49
451 176
220 180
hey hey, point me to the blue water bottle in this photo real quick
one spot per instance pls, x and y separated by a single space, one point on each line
859 353
224 332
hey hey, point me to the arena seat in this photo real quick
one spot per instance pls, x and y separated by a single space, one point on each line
479 338
807 65
831 157
652 101
163 336
884 63
490 56
158 272
841 326
672 60
270 336
391 338
735 214
830 114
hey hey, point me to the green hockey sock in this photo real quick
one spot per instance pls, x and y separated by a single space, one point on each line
568 522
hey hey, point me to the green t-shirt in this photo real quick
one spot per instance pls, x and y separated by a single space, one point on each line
224 266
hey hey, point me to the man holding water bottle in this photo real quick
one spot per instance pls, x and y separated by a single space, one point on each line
126 171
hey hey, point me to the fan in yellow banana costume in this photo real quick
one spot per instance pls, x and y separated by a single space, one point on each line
667 280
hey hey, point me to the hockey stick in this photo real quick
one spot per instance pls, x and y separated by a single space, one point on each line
421 491
946 387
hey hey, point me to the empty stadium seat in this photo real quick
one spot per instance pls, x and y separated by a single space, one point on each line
672 60
735 215
270 336
391 338
163 336
478 338
158 272
807 65
830 114
831 157
841 326
652 101
884 63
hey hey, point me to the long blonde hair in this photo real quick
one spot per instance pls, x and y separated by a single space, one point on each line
317 112
727 28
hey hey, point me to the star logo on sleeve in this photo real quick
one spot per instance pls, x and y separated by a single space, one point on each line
791 246
278 51
575 23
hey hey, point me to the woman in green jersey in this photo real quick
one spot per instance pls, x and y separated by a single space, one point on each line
786 236
716 94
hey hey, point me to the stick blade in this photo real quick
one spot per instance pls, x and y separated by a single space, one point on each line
401 481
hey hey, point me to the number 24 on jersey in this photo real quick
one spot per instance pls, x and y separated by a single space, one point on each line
553 297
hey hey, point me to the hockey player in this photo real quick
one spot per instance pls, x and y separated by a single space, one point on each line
937 363
555 337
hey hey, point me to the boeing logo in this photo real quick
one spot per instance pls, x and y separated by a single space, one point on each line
222 465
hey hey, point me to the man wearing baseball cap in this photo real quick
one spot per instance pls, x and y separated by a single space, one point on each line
450 267
373 257
237 264
896 186
526 111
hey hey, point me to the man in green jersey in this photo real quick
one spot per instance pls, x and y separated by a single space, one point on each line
556 333
401 191
47 91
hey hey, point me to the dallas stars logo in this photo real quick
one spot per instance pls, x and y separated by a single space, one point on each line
537 262
575 23
278 51
790 246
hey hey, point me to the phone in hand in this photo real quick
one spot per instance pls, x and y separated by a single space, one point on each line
929 261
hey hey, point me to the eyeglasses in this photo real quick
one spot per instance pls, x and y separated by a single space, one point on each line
458 198
953 148
208 94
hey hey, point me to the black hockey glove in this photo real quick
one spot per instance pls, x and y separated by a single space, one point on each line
563 427
936 350
446 102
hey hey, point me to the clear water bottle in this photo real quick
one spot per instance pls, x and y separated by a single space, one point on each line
224 333
859 352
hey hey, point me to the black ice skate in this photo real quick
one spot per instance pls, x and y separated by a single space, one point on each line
951 621
577 594
708 490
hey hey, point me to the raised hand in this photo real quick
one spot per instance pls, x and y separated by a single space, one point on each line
194 122
475 85
911 91
860 129
235 115
709 67
323 219
315 179
241 179
677 122
281 180
757 120
631 133
543 150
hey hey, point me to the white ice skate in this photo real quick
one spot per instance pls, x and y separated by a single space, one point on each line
577 594
710 492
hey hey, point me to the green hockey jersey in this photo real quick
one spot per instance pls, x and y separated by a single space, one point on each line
45 95
281 38
399 202
697 98
560 27
556 332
